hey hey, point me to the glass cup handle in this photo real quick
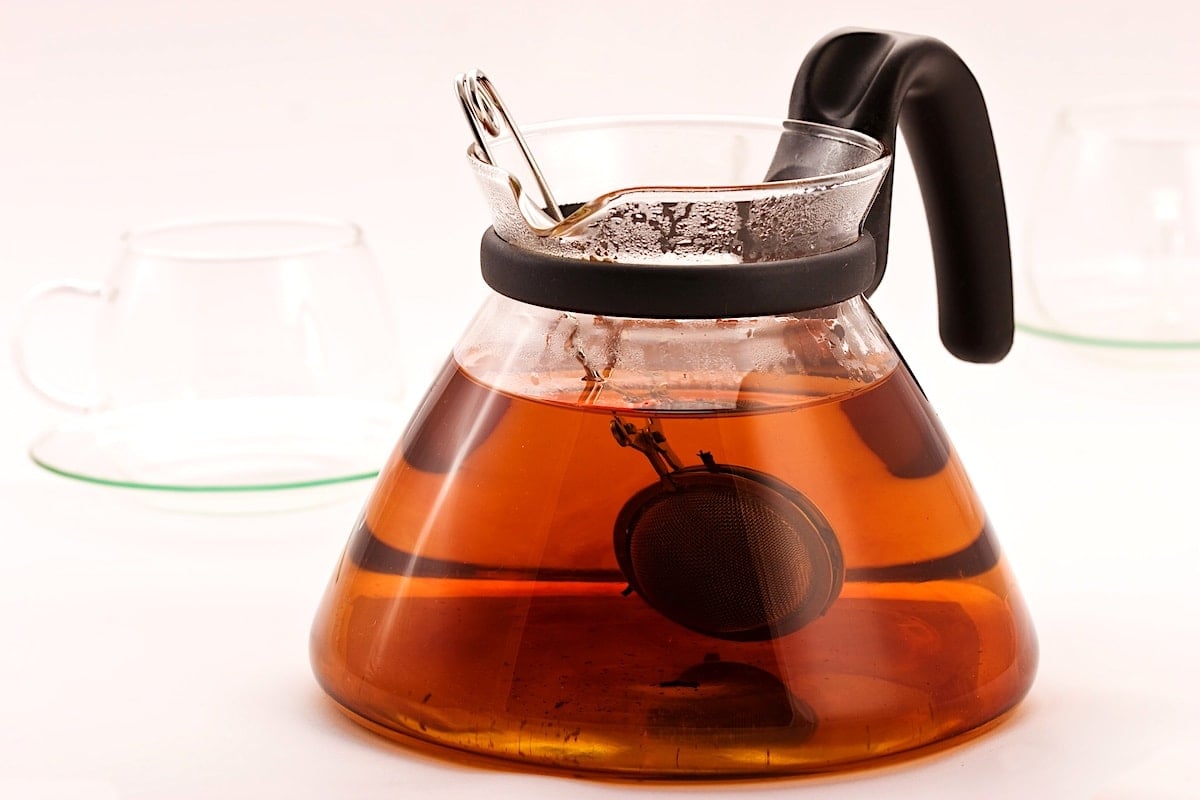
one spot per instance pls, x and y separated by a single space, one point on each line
33 378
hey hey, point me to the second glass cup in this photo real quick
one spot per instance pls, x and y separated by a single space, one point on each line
1114 249
228 355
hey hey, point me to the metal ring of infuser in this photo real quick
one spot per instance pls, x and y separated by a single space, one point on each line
485 111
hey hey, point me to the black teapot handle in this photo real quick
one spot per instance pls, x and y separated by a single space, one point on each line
869 81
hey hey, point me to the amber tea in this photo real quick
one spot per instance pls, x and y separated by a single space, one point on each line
480 603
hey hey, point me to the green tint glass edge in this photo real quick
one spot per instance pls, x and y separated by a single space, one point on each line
202 488
1093 341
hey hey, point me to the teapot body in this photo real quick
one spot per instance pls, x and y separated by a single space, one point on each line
676 507
486 600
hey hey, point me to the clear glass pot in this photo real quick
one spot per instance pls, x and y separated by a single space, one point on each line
675 546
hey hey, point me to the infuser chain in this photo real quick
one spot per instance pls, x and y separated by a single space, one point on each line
650 441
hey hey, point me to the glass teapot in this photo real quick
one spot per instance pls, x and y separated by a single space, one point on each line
676 506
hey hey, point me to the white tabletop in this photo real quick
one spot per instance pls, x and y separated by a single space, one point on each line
154 654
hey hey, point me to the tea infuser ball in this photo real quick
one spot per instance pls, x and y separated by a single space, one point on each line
729 552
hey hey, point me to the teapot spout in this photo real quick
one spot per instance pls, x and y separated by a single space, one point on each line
687 190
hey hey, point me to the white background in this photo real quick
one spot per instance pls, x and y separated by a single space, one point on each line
157 655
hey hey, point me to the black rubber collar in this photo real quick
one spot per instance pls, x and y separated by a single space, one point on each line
677 291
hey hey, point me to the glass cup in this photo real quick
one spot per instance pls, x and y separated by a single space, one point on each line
1113 259
227 356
